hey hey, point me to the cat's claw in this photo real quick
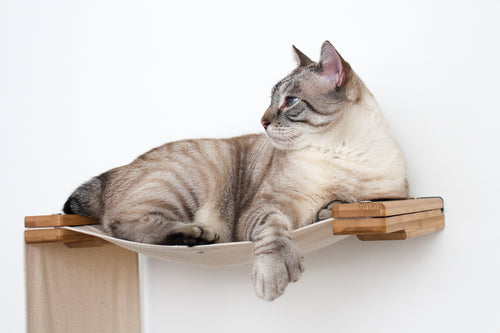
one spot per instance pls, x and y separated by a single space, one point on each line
191 234
273 271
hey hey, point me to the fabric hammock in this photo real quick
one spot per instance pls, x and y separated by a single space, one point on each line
307 239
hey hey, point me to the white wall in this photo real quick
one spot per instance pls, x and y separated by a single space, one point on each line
86 86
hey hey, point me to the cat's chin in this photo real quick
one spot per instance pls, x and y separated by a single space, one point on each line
284 144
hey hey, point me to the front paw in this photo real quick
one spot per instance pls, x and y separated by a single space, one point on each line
272 271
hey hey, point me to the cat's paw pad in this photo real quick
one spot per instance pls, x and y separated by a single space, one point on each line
191 234
272 272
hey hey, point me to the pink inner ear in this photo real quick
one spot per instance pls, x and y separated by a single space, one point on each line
340 79
331 64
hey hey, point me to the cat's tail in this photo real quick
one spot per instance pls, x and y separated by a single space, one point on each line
87 198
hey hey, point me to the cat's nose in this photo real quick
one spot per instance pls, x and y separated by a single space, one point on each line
265 123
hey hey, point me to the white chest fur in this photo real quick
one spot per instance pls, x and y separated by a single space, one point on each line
352 168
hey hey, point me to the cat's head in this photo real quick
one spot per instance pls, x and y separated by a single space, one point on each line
310 100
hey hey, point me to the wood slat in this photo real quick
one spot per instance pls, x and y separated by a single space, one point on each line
381 225
419 228
54 235
57 220
386 208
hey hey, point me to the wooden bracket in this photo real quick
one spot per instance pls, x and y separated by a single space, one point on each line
48 228
389 220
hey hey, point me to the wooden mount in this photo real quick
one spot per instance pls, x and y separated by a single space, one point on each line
389 220
48 228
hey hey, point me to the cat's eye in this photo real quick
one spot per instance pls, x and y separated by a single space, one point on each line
290 101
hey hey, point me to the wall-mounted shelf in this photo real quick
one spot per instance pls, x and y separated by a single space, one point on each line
67 274
377 220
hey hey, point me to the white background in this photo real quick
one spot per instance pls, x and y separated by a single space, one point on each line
89 85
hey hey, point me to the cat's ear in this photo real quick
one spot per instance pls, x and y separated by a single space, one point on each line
301 57
331 65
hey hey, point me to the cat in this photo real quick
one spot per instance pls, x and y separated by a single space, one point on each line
325 140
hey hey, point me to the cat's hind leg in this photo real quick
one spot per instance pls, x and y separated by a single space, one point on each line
209 215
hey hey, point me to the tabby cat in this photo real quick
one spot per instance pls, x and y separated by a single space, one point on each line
326 140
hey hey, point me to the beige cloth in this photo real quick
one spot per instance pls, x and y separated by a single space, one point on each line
309 238
82 289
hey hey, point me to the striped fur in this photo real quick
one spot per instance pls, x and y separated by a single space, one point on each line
331 144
